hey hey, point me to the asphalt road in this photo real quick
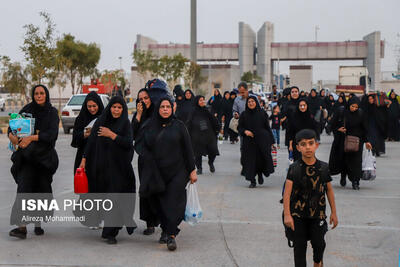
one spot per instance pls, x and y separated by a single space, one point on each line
241 226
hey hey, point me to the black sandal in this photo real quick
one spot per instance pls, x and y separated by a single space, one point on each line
17 232
39 231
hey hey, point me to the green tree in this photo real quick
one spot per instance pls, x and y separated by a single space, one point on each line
38 48
250 77
79 59
193 77
14 77
166 67
144 61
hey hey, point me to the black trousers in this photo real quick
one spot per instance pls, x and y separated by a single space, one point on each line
198 160
309 229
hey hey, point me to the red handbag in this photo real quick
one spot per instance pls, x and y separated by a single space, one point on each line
81 182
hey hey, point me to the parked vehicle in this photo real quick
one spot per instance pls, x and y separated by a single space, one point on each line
73 107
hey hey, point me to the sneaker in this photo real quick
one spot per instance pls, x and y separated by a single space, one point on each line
17 232
163 238
212 168
260 179
171 243
149 231
199 171
39 231
252 185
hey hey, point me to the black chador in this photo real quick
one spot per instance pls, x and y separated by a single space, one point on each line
256 153
108 165
185 108
348 163
139 126
394 118
84 118
203 128
298 121
35 164
169 160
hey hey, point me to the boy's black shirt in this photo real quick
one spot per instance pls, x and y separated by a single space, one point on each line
308 198
275 121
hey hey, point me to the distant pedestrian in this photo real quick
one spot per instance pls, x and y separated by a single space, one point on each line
393 118
203 128
275 119
257 142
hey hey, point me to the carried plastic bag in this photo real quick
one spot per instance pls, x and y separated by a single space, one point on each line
274 154
233 124
368 166
193 212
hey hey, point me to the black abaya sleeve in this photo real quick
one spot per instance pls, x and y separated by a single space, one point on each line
78 137
241 125
135 126
268 128
51 133
187 148
126 140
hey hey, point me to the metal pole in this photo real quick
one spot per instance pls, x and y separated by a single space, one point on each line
193 31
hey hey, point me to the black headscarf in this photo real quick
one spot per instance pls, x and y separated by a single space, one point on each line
107 120
147 112
157 122
85 117
40 113
257 108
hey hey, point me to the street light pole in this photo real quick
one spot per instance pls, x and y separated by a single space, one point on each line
316 33
120 63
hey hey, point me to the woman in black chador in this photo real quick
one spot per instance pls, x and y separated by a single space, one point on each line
393 118
203 128
257 142
168 145
300 119
140 121
348 120
377 125
215 102
226 113
185 107
107 160
92 108
36 160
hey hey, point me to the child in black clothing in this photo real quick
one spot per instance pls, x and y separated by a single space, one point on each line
308 181
276 124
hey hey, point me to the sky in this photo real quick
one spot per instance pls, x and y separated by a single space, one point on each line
114 24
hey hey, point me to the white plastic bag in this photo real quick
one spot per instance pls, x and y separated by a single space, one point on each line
368 166
193 212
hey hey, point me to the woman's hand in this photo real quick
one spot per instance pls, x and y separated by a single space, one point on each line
139 109
25 142
14 139
105 132
83 163
86 133
368 145
248 133
193 177
342 129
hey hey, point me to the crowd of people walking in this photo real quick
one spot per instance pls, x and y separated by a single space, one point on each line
171 133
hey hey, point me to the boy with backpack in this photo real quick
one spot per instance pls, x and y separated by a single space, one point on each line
308 183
